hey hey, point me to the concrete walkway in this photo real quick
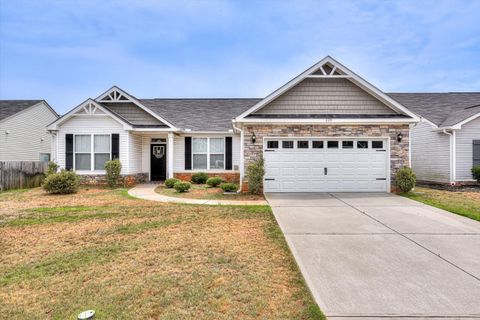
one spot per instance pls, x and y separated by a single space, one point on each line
147 192
382 256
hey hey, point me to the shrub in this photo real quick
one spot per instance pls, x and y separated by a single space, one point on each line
255 173
405 179
476 172
112 171
169 183
63 182
214 181
229 187
182 186
199 177
52 168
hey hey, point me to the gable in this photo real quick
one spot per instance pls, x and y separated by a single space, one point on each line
133 114
326 96
325 91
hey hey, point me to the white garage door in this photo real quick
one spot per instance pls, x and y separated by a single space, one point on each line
326 165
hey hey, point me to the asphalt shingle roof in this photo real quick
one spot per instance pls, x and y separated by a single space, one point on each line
134 115
200 114
443 109
10 107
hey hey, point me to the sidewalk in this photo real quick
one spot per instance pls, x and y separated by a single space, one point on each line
147 192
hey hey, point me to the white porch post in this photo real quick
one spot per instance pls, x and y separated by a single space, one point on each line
170 155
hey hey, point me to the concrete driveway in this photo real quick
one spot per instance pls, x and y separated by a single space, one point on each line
380 255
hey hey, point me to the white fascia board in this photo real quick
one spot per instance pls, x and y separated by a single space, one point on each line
326 121
54 125
459 125
136 102
362 83
154 129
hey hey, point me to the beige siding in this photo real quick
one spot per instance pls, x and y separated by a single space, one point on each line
430 153
93 125
28 136
326 96
464 153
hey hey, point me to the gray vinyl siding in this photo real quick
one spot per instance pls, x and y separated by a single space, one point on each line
430 154
464 149
28 136
326 96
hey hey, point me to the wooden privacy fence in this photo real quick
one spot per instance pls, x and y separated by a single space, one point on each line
21 174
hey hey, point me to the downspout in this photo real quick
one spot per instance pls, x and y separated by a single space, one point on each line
452 155
241 155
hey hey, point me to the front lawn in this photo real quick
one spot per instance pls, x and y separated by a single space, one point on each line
203 191
133 259
460 202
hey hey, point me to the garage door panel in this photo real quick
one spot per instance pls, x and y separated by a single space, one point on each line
347 170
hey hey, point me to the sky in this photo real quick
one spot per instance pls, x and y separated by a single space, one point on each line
68 51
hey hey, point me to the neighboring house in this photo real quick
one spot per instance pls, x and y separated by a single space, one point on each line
446 143
23 134
325 130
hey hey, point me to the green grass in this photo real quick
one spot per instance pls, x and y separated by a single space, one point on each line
466 204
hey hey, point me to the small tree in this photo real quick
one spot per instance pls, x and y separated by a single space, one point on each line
405 179
52 168
476 173
255 173
112 171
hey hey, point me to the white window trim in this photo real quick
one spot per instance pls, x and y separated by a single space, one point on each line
92 151
208 153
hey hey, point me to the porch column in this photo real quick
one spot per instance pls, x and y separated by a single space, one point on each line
170 155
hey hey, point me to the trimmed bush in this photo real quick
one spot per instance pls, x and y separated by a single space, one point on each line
52 168
405 179
169 183
255 173
112 172
182 186
63 182
229 187
214 181
199 178
476 173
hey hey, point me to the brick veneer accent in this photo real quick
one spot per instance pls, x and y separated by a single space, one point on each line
398 150
226 176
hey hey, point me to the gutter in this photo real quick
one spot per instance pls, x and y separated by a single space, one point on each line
453 155
241 155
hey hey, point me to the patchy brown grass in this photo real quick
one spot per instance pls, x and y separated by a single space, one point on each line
203 191
133 259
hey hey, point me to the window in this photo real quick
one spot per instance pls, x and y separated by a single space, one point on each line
101 150
91 151
287 144
302 144
272 144
332 144
199 153
362 144
83 152
317 144
44 157
377 144
347 144
217 153
208 153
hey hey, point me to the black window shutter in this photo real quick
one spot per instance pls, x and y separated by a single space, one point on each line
188 153
228 153
476 152
69 151
115 146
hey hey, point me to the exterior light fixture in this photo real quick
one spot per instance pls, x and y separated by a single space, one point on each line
254 138
399 137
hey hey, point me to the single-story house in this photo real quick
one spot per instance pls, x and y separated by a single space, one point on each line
327 129
23 134
446 142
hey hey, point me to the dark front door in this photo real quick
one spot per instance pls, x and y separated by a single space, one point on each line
158 162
